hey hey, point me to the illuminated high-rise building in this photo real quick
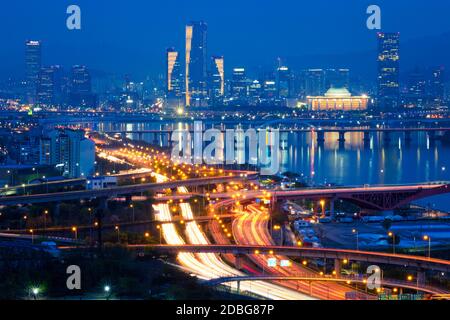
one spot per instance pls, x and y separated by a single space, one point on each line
388 70
196 63
33 63
437 88
46 86
81 88
217 78
284 82
173 76
239 84
315 82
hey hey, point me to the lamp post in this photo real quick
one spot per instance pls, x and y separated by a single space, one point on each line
355 231
322 204
160 233
118 233
132 207
35 293
32 236
428 238
45 219
392 235
75 231
107 290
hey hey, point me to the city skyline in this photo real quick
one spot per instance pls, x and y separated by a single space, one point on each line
302 49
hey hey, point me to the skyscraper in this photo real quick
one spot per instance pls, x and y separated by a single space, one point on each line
45 89
196 60
81 88
284 82
388 70
437 88
239 84
217 78
33 62
173 76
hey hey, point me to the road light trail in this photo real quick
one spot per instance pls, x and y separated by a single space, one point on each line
196 236
252 228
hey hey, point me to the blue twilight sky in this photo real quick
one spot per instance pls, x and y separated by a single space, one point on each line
131 36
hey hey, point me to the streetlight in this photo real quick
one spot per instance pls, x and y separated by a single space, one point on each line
75 231
322 204
35 291
428 238
32 236
118 233
45 219
392 235
132 207
357 238
107 290
160 233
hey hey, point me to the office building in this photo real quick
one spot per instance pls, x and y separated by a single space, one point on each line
81 88
196 64
437 86
284 82
69 151
239 84
174 76
388 70
217 79
33 62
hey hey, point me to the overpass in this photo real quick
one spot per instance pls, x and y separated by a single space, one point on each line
320 278
339 255
378 198
121 190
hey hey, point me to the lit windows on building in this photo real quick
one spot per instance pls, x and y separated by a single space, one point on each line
388 69
338 99
173 76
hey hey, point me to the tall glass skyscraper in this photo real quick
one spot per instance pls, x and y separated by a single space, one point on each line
33 63
196 63
217 85
388 70
173 76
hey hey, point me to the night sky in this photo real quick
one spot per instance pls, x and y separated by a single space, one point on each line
131 36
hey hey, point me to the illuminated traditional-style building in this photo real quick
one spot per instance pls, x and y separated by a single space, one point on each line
338 99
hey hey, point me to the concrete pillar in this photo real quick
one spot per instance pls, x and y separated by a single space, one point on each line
387 137
238 287
341 136
366 136
332 208
55 212
337 267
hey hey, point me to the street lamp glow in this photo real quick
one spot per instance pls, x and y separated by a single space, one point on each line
35 291
107 288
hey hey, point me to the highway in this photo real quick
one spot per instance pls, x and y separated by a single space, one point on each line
117 191
402 260
251 228
209 265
